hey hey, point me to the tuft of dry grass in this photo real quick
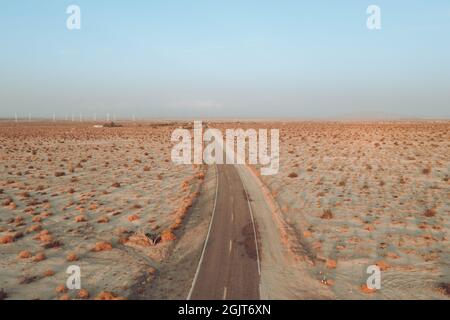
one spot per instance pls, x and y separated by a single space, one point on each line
327 214
6 239
167 235
106 295
426 170
383 265
24 254
364 288
61 288
80 218
331 264
102 246
430 212
133 217
39 257
72 257
83 294
49 273
444 288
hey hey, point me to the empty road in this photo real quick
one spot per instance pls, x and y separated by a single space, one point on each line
229 267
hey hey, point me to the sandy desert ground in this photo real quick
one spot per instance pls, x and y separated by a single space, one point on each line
106 199
358 194
350 195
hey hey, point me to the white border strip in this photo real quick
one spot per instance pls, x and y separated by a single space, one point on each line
207 237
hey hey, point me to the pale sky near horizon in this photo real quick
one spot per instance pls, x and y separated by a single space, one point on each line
233 58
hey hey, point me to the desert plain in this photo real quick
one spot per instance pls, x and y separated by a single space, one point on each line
347 195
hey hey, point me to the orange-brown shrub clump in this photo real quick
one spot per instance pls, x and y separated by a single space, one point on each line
61 288
25 254
80 218
106 295
6 239
430 212
133 217
49 273
327 214
102 246
331 264
167 235
39 257
83 294
364 288
71 257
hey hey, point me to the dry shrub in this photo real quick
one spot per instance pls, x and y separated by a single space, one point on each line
80 218
39 257
61 288
293 175
364 288
18 219
102 246
49 273
33 228
133 217
185 185
72 257
327 214
24 254
167 235
44 236
426 170
444 288
383 265
430 212
83 294
6 239
7 202
331 264
123 239
105 295
116 185
200 176
177 223
60 174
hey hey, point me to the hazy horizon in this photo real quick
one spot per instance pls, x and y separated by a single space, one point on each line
230 59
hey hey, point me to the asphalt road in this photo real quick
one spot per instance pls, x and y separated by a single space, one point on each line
229 266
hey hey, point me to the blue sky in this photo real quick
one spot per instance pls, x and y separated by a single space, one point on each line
234 58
